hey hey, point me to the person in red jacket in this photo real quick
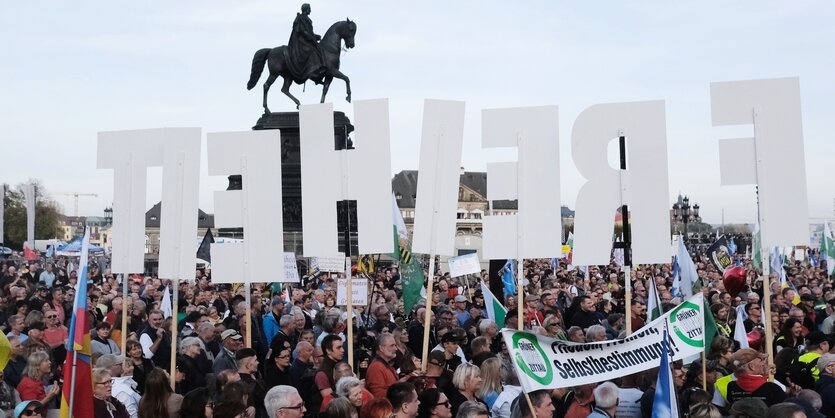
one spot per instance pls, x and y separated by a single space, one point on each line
31 386
381 374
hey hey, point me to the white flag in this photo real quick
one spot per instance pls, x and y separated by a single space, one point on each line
165 304
739 330
686 274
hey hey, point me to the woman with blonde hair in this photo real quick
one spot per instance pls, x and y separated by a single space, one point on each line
553 328
466 381
32 386
491 377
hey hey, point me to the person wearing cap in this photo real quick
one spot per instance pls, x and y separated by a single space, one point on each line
28 409
226 359
825 386
816 345
751 380
461 312
271 319
35 341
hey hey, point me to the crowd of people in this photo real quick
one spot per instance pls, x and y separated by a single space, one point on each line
295 362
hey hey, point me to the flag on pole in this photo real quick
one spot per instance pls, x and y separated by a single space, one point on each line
664 404
508 278
828 248
740 335
78 383
654 309
165 304
684 272
756 243
29 254
710 327
365 264
495 310
732 246
411 272
776 264
204 251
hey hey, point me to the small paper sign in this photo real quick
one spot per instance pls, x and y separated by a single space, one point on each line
359 288
463 265
334 264
291 273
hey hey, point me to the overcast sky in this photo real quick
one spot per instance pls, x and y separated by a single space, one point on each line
72 69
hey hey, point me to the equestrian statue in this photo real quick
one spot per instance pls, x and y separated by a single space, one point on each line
307 56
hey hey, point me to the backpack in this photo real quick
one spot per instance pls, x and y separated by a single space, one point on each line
801 373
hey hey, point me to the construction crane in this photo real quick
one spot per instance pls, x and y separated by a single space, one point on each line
76 195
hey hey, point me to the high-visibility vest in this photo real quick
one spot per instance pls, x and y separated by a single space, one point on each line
722 385
811 357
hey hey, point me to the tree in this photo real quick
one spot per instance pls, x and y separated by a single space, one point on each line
47 215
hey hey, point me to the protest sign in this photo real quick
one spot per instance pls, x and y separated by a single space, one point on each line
291 271
335 264
547 363
359 288
463 265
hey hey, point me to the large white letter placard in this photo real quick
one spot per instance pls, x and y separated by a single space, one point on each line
773 159
256 156
129 154
536 230
436 206
644 185
362 174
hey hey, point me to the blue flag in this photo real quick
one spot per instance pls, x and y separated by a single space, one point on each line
664 405
508 278
732 247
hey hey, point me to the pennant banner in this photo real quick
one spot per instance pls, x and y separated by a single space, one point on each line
547 363
719 254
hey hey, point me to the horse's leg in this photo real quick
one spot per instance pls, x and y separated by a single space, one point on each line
267 84
343 77
286 90
325 87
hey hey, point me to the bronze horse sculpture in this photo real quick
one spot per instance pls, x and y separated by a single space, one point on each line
276 61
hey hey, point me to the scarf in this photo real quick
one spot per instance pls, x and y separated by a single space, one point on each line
750 382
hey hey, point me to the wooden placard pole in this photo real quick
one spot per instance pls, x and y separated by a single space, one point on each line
626 243
248 298
175 284
704 369
127 304
349 300
766 256
427 319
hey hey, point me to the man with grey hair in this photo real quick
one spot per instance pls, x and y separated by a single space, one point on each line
605 400
284 402
286 334
826 384
472 409
596 333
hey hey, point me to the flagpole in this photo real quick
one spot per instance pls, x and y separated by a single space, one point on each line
72 380
704 370
349 298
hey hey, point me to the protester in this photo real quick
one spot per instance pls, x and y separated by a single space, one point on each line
104 404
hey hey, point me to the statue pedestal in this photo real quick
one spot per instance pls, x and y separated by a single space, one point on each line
291 182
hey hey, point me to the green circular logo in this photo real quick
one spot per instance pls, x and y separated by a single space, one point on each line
531 358
686 322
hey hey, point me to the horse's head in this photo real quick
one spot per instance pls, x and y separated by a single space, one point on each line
347 31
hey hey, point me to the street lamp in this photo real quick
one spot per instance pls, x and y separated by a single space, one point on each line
684 213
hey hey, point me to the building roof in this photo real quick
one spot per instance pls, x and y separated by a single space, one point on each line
153 215
404 186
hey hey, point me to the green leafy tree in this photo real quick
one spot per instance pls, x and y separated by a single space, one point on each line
47 215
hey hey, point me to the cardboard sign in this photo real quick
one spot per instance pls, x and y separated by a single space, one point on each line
291 272
335 264
463 265
359 288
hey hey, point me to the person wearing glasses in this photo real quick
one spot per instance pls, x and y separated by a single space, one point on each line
28 409
104 404
434 404
280 374
284 402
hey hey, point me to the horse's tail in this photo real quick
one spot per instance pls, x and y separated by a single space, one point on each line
258 62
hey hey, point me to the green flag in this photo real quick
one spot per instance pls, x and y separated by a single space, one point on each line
710 328
828 249
411 272
654 309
